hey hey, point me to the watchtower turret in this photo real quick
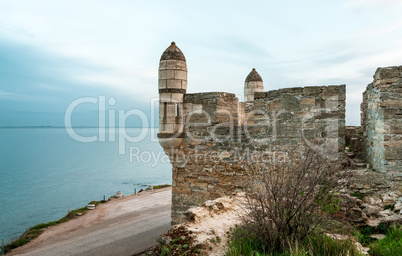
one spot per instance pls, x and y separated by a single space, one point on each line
172 87
252 84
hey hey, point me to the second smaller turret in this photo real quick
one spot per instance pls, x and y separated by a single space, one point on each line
252 84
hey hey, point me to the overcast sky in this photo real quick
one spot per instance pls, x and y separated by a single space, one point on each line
53 52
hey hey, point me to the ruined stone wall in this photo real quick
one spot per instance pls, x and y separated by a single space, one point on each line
299 117
220 149
382 120
213 107
200 168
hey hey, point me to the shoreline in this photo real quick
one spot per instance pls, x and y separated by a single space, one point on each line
110 211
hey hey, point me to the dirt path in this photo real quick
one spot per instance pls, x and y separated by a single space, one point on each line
120 227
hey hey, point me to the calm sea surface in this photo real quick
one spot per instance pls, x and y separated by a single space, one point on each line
44 173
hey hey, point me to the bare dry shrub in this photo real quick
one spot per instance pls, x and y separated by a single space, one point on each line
289 200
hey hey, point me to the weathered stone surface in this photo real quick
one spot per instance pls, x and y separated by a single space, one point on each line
373 200
357 215
371 211
386 213
173 53
398 206
389 198
379 191
377 236
381 121
253 76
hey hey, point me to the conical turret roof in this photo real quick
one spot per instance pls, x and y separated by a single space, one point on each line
173 53
253 76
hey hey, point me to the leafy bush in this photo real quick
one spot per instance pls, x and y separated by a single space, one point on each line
289 200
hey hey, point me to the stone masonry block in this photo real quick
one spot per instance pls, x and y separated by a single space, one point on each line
185 191
274 106
171 64
180 74
392 103
184 84
178 127
169 119
181 65
251 84
312 90
173 84
391 153
307 102
162 84
171 109
177 97
162 65
166 74
167 128
165 97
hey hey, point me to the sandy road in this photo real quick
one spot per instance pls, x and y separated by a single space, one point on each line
120 227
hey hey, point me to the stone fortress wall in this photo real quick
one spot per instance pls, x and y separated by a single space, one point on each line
213 140
382 120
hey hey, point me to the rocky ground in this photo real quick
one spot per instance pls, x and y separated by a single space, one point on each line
370 198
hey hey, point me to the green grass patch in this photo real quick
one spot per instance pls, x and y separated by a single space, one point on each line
23 239
162 186
241 243
358 195
391 245
364 235
37 230
324 245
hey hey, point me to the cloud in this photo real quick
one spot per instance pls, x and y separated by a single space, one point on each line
371 3
34 83
7 95
35 74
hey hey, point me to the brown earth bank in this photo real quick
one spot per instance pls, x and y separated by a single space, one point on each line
206 230
123 226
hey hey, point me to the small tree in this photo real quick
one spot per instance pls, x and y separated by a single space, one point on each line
288 200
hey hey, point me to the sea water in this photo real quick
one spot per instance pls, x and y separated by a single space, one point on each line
44 173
